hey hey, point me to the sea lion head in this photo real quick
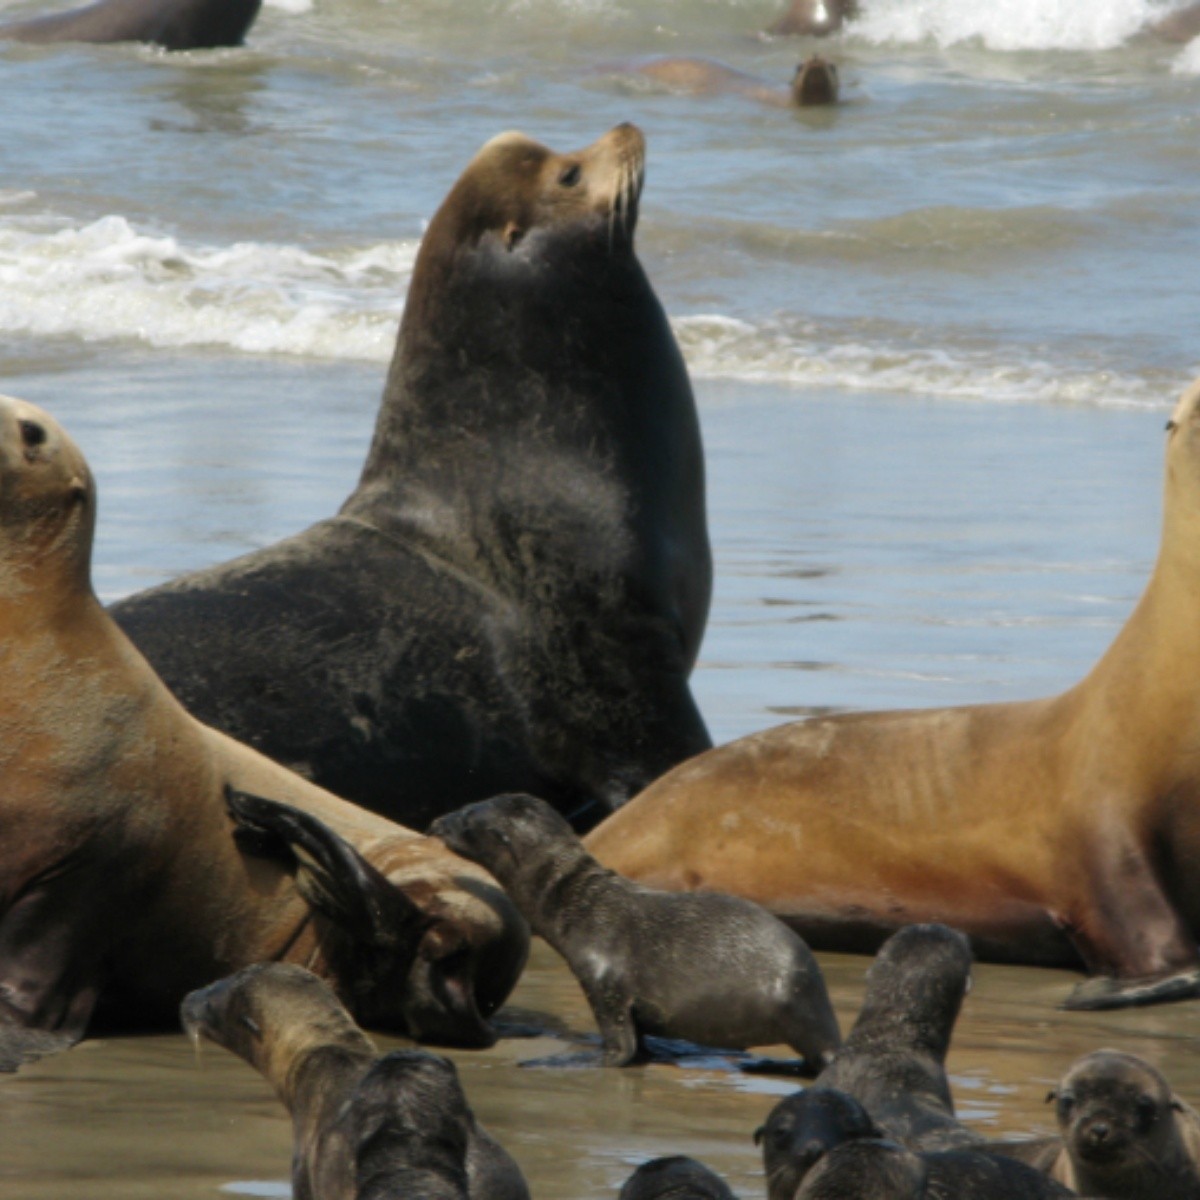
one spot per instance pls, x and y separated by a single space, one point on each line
675 1177
803 1128
866 1167
47 501
917 983
271 1015
815 82
1116 1115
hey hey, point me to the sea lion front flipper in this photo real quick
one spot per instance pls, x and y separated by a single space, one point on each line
612 1007
330 873
1103 991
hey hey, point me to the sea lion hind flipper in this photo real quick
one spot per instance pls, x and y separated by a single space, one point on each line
330 873
20 1045
1103 991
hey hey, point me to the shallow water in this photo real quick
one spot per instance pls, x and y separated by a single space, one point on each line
934 334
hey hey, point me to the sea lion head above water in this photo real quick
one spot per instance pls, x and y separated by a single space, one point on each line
815 82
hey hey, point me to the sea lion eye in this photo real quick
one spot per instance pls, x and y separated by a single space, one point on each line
1147 1110
252 1025
570 177
32 434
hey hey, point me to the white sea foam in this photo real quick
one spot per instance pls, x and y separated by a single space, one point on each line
1009 24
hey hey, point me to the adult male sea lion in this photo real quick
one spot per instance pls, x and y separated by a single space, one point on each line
1058 831
121 885
514 595
1123 1133
171 24
341 1093
709 969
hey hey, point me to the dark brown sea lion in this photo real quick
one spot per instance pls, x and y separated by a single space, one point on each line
171 24
1179 26
894 1061
1124 1133
675 1178
814 82
814 18
345 1099
1057 832
710 969
121 885
514 595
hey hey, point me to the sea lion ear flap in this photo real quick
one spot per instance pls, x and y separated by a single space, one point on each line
759 1134
330 874
1051 1096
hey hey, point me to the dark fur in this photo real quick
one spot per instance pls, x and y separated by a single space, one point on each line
805 18
894 1061
710 968
675 1178
399 1124
171 24
515 593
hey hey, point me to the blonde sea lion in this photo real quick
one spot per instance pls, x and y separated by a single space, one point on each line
121 885
1061 831
343 1096
513 597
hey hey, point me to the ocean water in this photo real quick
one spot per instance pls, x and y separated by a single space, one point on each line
934 333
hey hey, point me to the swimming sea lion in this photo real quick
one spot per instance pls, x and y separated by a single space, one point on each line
1124 1134
288 1024
710 969
121 885
894 1061
814 82
1055 832
814 18
171 24
514 595
801 1128
1179 26
675 1178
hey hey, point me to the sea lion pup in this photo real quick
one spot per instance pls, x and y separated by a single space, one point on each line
874 1169
171 24
345 1100
514 595
1123 1133
121 884
676 1177
894 1061
802 1128
707 968
1052 832
814 18
815 81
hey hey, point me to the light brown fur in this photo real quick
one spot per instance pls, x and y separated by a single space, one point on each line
1055 831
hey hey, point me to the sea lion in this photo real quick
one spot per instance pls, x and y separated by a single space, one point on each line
1055 832
341 1094
171 24
514 595
894 1061
814 18
1123 1132
710 969
1179 26
676 1177
883 1170
815 81
802 1128
121 885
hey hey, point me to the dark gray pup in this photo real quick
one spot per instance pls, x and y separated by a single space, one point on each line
872 1169
894 1061
513 597
398 1124
1123 1133
675 1178
801 1129
172 24
708 968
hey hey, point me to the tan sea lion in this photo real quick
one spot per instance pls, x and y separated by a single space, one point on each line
1060 831
815 81
121 885
342 1095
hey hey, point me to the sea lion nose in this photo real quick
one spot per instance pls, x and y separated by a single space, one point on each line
1098 1133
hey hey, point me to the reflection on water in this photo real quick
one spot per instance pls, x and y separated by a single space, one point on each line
133 1118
